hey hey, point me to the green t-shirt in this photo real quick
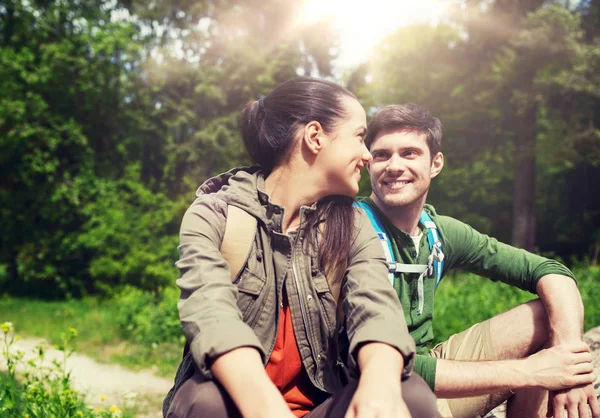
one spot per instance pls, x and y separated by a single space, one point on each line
463 248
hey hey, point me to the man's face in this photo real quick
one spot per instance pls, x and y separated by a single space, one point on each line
402 168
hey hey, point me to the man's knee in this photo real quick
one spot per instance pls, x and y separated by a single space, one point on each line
520 331
419 398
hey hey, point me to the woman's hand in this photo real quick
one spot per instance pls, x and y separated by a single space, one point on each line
371 400
243 376
379 393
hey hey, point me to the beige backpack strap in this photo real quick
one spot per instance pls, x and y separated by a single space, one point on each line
240 230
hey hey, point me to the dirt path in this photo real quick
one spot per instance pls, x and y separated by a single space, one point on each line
98 380
114 382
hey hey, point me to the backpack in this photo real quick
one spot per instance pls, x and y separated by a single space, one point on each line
435 262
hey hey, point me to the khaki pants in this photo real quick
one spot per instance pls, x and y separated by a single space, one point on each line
473 344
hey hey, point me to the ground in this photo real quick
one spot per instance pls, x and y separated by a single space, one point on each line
112 383
105 384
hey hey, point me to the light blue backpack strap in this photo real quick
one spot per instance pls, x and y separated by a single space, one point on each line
435 246
385 242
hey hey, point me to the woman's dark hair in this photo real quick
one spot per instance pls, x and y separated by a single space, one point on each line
269 128
270 125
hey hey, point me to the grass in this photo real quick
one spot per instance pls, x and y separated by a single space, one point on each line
36 388
98 336
463 299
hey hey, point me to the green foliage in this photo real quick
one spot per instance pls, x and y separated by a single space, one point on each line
148 318
93 318
484 73
130 236
112 115
101 334
34 389
464 299
110 119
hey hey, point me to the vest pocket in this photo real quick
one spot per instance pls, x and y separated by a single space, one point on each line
327 305
249 288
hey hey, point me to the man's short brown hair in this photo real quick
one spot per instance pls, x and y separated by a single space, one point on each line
408 117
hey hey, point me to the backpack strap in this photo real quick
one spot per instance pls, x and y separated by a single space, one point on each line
240 230
435 262
436 256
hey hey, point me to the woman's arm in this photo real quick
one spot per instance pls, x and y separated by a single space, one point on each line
243 376
379 392
372 310
210 317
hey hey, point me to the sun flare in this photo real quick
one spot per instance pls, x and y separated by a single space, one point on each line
361 25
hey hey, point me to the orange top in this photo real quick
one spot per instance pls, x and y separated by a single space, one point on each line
285 367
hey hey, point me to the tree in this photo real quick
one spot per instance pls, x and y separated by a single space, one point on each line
113 113
515 85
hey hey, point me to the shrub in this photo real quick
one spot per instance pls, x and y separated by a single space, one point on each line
149 318
45 391
464 299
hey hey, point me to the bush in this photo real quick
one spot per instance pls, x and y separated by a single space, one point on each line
464 299
130 237
588 281
149 318
123 234
45 391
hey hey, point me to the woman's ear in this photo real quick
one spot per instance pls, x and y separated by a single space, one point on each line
313 137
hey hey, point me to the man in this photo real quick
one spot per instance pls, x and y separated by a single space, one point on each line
523 354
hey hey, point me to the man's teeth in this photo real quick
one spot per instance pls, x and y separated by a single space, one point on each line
396 183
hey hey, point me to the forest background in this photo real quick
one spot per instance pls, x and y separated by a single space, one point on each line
113 112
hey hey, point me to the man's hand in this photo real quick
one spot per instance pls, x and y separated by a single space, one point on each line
575 401
561 367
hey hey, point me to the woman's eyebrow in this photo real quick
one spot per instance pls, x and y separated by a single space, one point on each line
362 131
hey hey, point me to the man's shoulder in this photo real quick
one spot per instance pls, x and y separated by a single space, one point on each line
438 218
450 228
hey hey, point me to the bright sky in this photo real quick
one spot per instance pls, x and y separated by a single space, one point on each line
362 24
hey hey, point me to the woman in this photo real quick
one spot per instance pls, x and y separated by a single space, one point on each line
266 344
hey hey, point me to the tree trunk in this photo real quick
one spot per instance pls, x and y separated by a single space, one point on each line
523 232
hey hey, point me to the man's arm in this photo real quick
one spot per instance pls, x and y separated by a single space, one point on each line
564 308
565 368
556 368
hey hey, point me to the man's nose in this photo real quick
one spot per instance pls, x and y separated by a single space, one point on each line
395 164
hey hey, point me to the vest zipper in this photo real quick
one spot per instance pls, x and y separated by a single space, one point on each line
319 384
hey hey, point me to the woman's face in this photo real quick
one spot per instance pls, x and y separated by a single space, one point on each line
346 153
